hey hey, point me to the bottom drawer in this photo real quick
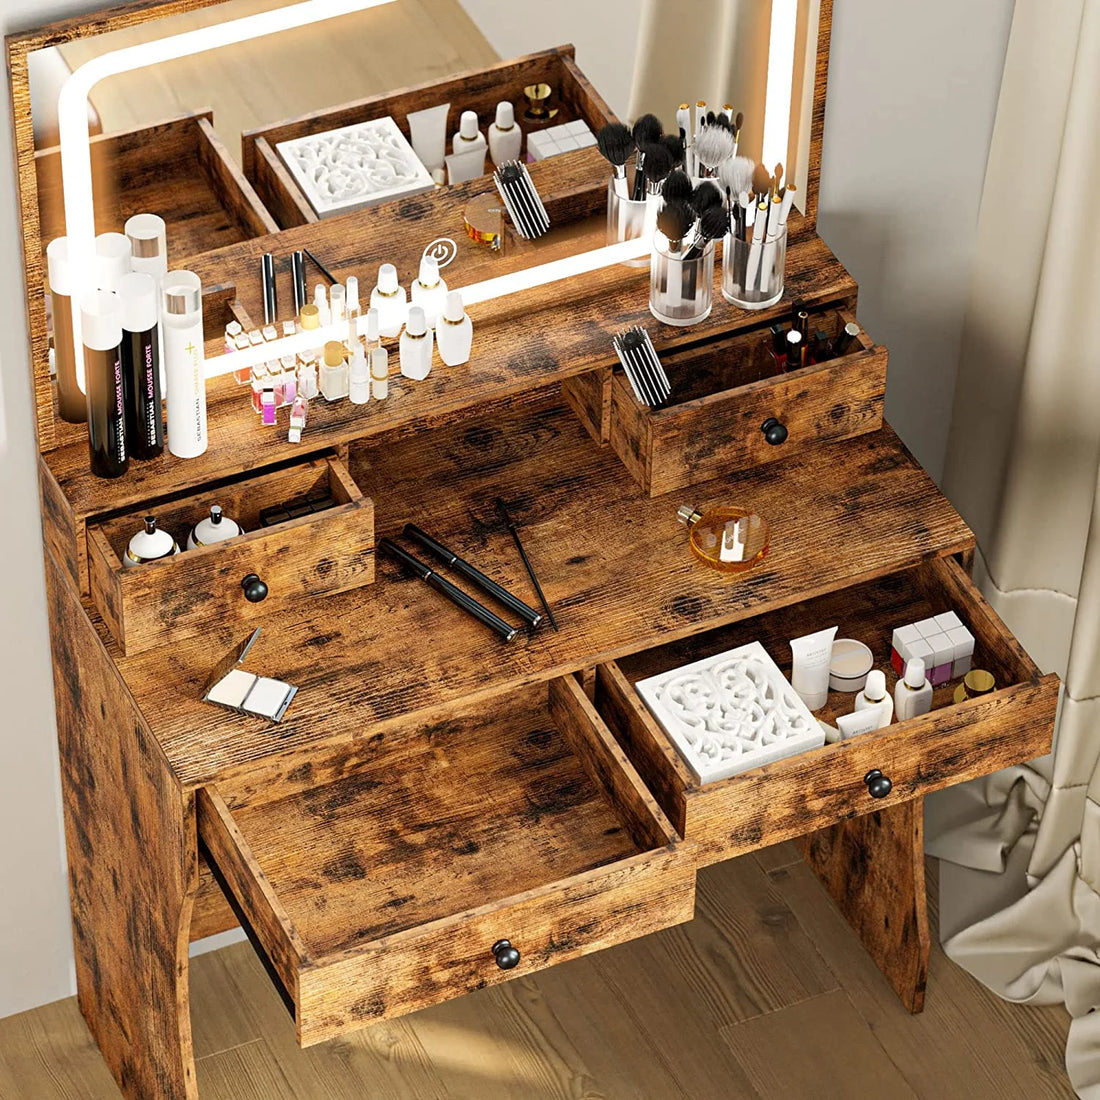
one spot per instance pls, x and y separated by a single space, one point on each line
799 794
382 879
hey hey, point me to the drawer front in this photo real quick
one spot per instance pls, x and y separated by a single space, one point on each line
797 795
377 881
298 560
717 434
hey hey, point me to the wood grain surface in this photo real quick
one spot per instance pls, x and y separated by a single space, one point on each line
130 838
614 566
802 793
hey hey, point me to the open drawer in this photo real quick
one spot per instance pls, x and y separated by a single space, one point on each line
723 394
799 794
384 879
308 532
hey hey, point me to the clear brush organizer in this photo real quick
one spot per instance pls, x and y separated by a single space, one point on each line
681 291
752 274
626 219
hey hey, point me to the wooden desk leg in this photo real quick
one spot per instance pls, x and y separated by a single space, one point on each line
873 869
133 864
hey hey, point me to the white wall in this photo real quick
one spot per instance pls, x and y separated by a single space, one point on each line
912 94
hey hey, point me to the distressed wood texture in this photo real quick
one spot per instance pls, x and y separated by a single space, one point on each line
724 392
589 396
802 793
377 880
300 560
562 332
478 90
133 870
873 869
614 565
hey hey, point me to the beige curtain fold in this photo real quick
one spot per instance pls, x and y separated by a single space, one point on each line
1020 850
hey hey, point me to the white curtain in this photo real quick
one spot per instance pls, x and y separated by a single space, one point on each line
1020 851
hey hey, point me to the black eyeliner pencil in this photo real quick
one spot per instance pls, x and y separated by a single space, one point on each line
474 575
445 588
510 523
267 278
320 267
298 280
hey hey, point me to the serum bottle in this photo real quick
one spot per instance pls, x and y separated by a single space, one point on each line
505 137
388 297
454 332
416 346
874 695
101 321
429 291
358 376
141 365
380 373
469 137
181 317
334 372
912 693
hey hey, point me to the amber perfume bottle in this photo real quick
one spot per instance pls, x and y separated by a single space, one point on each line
731 540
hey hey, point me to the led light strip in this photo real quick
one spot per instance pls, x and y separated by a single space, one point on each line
72 118
777 104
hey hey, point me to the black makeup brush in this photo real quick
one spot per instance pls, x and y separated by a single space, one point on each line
646 132
675 145
712 225
704 197
677 186
658 164
615 144
720 120
675 220
713 145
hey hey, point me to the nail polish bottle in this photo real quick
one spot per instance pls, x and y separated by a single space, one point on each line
320 300
337 302
505 137
334 372
217 527
874 695
298 413
380 373
416 346
429 291
912 693
258 382
358 376
388 297
232 331
374 339
468 137
352 308
267 407
454 332
149 544
288 366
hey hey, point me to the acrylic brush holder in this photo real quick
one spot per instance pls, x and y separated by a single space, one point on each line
626 218
752 272
681 285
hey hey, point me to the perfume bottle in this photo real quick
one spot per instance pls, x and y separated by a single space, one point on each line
149 544
334 372
454 332
416 346
217 527
429 291
388 297
731 540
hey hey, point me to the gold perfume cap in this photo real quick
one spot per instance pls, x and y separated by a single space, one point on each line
334 353
309 317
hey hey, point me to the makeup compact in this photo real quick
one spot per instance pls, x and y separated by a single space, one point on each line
236 689
849 665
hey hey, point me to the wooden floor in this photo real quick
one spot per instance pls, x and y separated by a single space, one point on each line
766 994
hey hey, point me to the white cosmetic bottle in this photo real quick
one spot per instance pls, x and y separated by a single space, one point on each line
358 376
429 291
380 373
469 137
181 332
416 346
505 137
454 333
874 695
388 297
913 693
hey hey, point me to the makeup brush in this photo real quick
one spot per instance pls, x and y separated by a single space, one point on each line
646 132
677 187
713 145
683 121
704 196
615 144
721 120
658 165
761 182
675 220
674 143
735 175
712 226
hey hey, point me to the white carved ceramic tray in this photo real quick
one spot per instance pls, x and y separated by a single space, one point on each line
731 712
355 166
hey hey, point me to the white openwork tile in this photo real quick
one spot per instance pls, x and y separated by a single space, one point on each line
731 712
355 166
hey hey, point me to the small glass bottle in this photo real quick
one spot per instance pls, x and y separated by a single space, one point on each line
334 372
731 540
288 366
429 290
389 298
298 413
380 373
358 376
232 331
454 332
258 381
416 346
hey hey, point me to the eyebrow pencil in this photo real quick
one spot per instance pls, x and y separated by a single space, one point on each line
445 588
510 523
474 575
267 278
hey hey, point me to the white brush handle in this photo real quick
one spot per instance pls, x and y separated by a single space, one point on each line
788 202
752 274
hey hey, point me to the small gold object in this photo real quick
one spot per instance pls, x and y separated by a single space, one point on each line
975 683
484 221
731 540
537 95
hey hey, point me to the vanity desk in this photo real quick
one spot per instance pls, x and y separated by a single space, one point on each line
438 811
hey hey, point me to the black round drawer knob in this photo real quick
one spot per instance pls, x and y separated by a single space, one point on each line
505 954
774 432
878 785
255 590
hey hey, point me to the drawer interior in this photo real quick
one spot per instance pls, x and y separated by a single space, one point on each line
393 836
1022 706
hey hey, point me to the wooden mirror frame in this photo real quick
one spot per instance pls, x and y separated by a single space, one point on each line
20 45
